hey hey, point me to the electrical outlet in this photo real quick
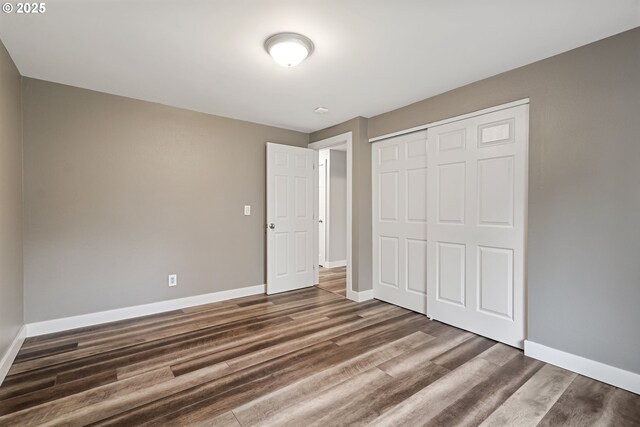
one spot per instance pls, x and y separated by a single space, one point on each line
173 280
247 209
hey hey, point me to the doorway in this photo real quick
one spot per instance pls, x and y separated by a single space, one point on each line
333 207
332 218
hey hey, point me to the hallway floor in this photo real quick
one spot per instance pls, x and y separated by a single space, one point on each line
334 280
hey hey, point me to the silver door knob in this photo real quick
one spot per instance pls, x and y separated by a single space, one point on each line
320 221
272 226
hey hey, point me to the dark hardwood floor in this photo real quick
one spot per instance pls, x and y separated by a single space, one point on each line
303 358
334 280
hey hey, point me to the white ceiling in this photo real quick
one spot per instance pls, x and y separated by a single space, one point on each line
371 55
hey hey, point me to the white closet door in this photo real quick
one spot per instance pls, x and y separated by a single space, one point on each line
399 172
477 224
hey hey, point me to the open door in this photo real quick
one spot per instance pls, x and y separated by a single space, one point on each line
291 226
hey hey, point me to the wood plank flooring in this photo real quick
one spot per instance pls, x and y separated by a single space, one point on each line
334 280
303 358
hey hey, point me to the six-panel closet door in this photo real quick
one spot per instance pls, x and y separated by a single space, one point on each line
477 224
399 174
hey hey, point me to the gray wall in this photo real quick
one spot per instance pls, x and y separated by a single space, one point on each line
11 300
584 191
338 206
361 197
120 193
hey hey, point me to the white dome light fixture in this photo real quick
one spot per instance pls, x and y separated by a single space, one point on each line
288 49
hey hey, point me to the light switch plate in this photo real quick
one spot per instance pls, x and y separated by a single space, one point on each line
247 209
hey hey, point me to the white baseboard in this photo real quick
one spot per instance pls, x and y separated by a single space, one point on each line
9 356
90 319
360 296
335 264
589 368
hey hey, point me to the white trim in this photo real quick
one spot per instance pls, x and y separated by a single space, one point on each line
590 368
345 138
327 202
90 319
360 296
335 264
11 353
316 217
451 119
327 205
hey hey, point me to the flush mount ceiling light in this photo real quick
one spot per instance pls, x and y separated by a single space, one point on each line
288 49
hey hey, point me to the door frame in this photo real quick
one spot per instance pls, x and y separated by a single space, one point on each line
344 138
326 208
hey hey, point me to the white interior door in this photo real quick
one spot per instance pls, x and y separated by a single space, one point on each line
290 218
322 211
399 184
477 224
